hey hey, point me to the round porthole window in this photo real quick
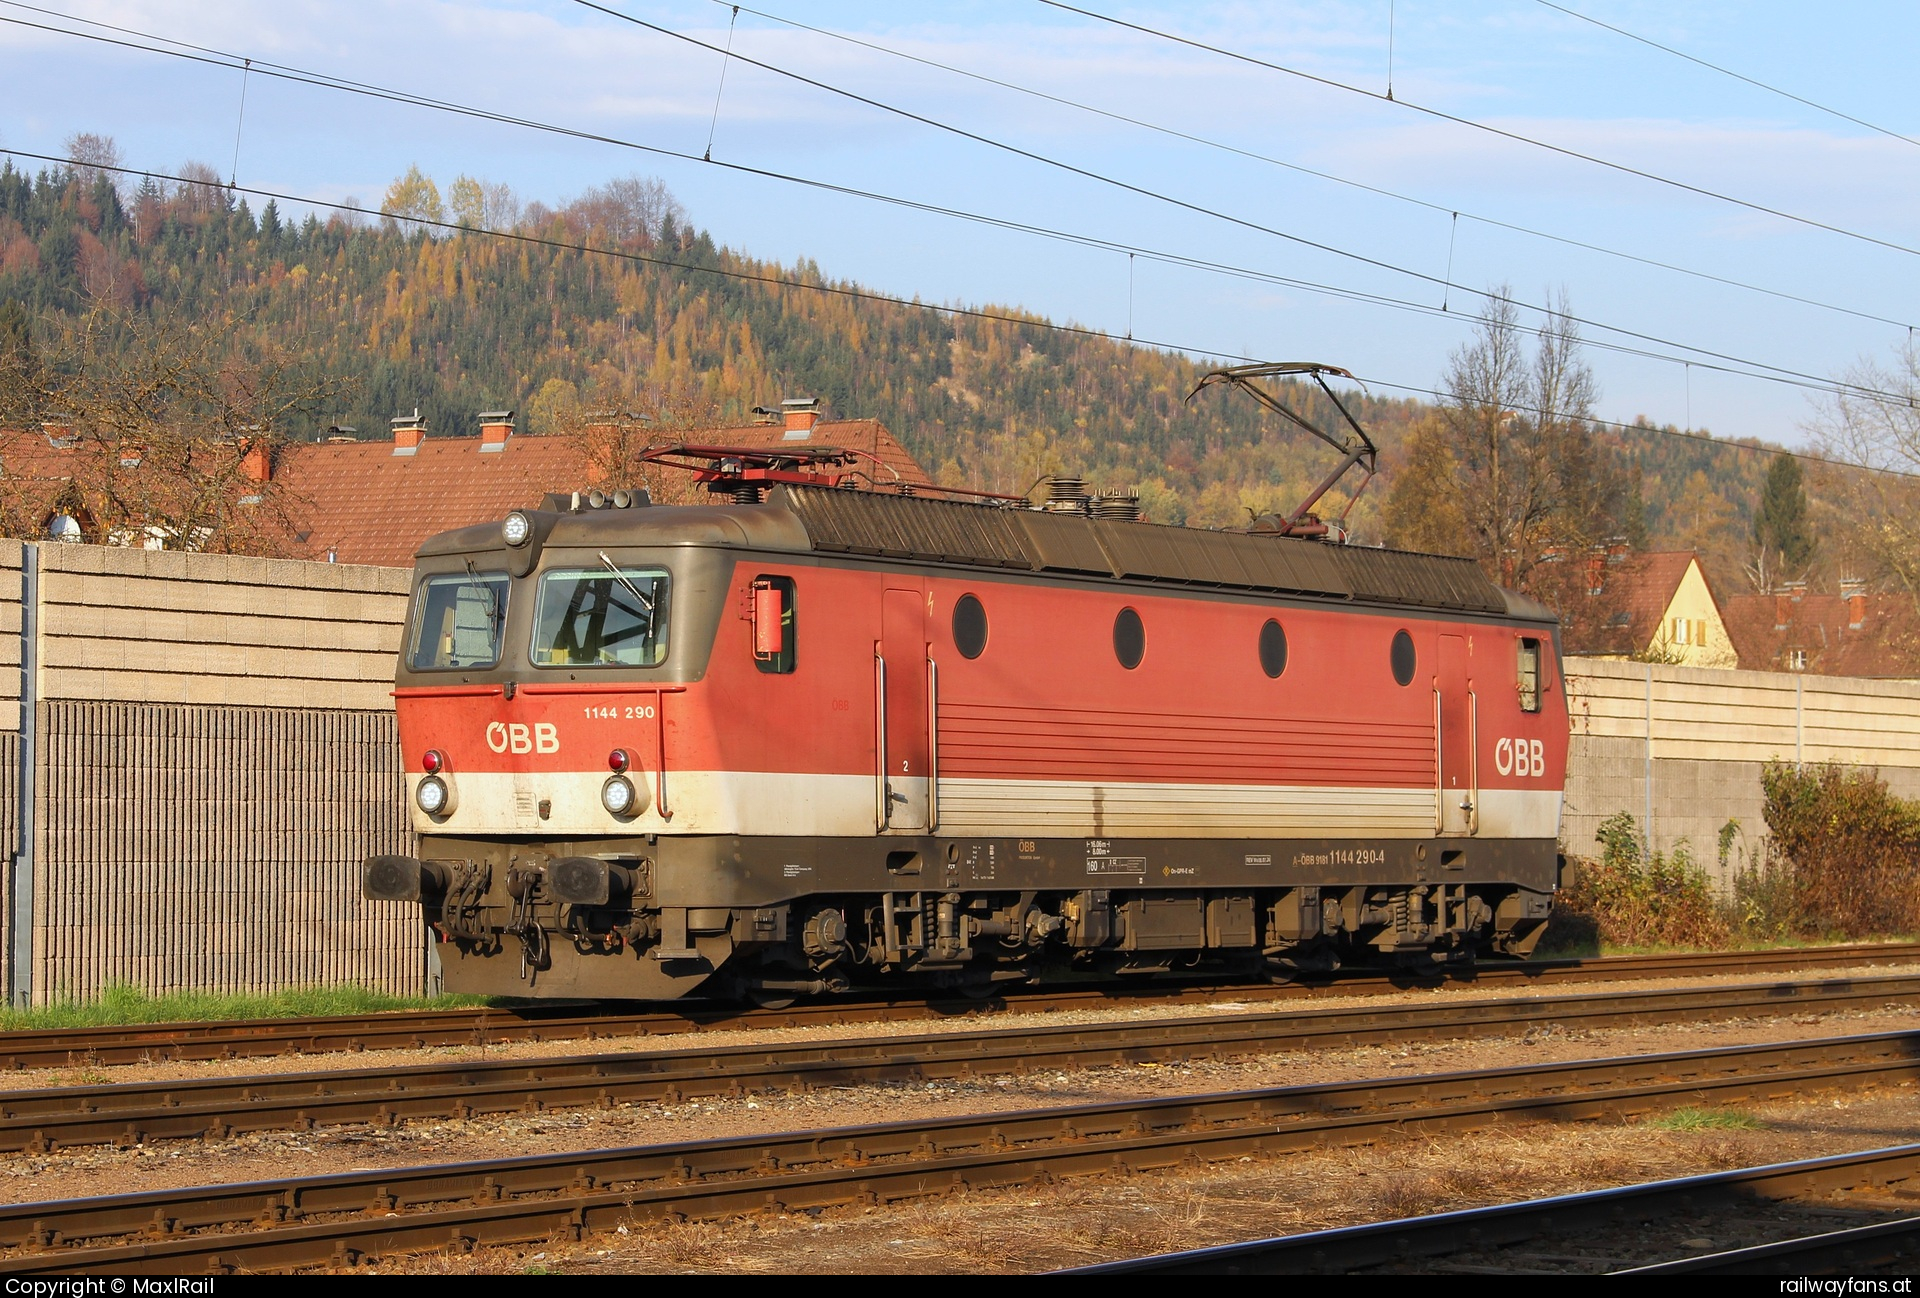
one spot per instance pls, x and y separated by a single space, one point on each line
1129 639
1403 658
1273 648
969 627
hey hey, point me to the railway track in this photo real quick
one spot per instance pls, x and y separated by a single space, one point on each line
57 1048
342 1219
130 1113
1590 1232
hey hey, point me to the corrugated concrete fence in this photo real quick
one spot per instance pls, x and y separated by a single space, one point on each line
1681 747
213 753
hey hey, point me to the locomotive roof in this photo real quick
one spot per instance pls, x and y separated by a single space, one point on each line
839 521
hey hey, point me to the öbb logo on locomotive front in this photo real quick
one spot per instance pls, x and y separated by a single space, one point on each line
1520 757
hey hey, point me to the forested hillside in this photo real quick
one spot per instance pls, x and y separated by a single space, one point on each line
620 303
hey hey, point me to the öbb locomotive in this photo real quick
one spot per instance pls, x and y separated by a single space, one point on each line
811 736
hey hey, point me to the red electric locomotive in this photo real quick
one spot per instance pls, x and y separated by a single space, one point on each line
814 736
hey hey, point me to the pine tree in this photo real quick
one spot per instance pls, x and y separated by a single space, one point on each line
1781 530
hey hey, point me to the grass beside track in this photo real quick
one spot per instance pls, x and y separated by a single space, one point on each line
1706 1120
122 1004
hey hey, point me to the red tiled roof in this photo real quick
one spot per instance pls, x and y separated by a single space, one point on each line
1768 630
369 505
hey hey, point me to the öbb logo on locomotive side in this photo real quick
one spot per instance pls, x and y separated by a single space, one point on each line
1520 757
518 737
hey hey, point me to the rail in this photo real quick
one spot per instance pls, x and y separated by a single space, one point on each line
1479 1237
333 1221
213 1039
130 1113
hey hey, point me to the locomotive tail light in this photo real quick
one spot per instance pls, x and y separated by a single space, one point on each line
516 528
619 760
434 762
434 796
621 799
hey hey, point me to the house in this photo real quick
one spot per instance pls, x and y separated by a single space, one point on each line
1656 606
1852 633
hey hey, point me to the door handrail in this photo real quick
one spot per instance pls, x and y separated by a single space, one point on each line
1439 767
883 804
933 745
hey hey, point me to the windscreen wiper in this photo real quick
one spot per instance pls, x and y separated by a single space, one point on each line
621 577
486 593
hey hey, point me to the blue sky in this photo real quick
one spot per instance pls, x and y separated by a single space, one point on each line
1516 64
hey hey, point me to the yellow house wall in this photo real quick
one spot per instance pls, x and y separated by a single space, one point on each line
1693 601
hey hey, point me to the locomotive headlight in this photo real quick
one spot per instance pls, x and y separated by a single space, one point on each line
433 796
619 797
516 529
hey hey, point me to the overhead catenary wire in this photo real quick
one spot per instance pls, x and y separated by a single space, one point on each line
1299 169
1155 195
973 313
1725 362
1729 72
1440 114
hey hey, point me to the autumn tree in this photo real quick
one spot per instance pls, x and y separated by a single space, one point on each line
414 196
145 431
1531 486
1424 510
94 157
482 206
1873 419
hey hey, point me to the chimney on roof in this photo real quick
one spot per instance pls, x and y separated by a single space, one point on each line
1854 591
256 459
408 432
496 426
1782 610
59 431
802 414
1616 549
1596 571
1796 590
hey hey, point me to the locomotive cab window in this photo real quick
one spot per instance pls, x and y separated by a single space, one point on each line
460 620
1529 675
601 617
774 624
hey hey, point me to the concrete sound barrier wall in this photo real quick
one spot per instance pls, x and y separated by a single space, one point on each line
1681 748
211 746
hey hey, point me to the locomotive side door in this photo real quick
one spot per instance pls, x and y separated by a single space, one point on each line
905 757
1456 714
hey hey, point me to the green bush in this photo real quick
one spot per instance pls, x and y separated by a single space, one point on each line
1628 898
